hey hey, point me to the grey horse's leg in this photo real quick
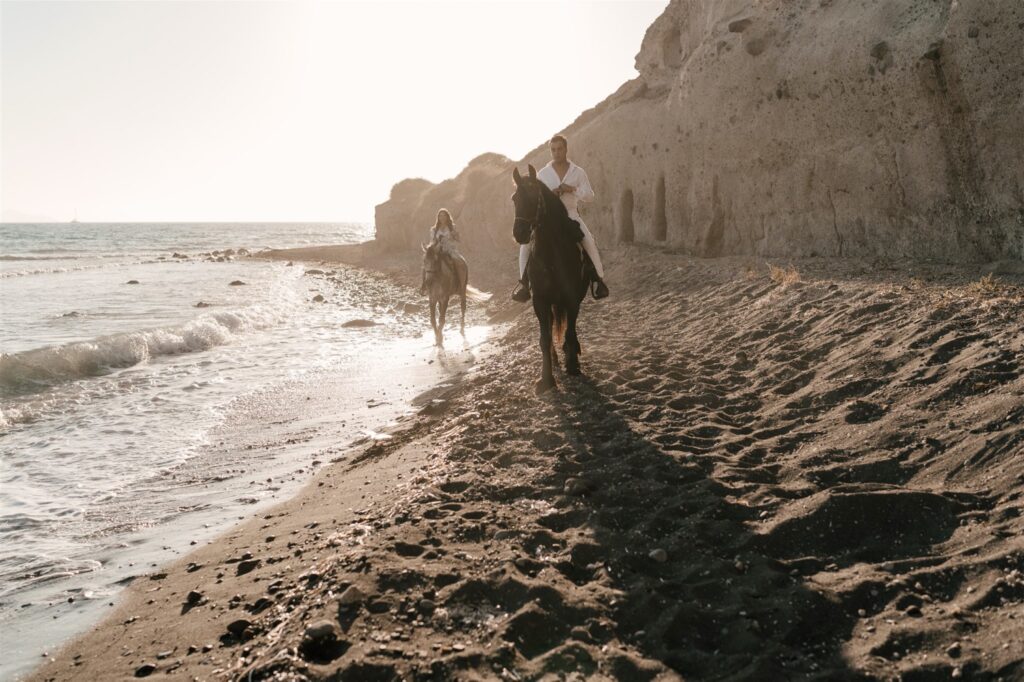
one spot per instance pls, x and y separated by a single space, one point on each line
433 319
442 310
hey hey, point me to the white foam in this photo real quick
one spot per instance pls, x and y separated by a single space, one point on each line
33 370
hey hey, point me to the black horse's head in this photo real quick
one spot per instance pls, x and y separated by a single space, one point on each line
529 203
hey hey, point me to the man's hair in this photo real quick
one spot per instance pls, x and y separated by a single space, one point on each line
559 138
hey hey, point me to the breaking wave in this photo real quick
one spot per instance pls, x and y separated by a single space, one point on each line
37 369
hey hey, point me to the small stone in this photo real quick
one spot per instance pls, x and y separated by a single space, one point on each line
426 606
237 283
145 670
913 610
321 631
207 648
192 649
861 612
237 627
954 650
132 281
319 298
164 654
353 595
246 566
957 673
193 598
659 555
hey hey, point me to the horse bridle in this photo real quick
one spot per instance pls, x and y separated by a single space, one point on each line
536 218
436 265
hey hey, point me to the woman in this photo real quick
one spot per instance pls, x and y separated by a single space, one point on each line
444 234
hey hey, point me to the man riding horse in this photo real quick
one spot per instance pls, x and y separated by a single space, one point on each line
570 183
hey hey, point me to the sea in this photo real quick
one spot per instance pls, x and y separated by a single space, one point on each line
127 352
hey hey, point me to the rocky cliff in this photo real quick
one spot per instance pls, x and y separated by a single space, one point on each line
790 128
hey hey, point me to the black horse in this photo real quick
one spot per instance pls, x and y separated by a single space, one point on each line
556 269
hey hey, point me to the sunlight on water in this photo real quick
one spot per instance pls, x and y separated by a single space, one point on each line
125 407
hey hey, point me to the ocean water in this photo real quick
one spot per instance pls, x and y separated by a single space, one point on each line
115 396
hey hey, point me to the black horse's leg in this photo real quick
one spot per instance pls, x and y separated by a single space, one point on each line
547 379
571 345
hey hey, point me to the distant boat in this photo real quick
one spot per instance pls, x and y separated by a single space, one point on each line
75 219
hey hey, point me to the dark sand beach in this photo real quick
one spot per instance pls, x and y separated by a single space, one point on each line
805 472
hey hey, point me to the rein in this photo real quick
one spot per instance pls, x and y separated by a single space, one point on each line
536 218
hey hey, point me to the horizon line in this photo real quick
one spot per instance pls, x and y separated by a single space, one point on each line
182 222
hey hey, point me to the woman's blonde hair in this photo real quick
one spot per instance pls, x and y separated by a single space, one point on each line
437 221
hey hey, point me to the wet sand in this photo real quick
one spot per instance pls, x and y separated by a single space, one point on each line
803 473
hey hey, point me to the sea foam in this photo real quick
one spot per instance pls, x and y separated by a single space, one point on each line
37 369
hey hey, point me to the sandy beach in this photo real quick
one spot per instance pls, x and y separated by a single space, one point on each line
809 471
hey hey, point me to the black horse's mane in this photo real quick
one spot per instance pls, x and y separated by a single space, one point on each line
553 203
556 209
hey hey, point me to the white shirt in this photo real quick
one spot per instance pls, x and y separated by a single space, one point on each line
574 177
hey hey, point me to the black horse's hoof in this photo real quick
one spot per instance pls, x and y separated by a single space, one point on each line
573 370
544 385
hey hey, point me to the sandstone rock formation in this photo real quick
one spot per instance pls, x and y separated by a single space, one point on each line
790 128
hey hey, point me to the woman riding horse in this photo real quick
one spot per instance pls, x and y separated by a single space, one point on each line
445 273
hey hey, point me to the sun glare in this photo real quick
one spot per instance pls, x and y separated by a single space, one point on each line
281 111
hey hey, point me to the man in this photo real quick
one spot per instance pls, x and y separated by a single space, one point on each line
571 184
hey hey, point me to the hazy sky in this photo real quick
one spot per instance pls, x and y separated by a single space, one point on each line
181 111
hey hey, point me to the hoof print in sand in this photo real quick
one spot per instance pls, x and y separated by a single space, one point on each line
863 412
534 631
569 658
872 525
407 549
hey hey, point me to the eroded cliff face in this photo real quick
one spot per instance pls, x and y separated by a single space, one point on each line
791 128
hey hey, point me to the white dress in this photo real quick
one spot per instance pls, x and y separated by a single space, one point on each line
447 240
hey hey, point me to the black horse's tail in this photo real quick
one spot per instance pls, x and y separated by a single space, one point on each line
558 322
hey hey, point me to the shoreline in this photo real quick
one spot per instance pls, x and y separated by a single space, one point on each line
671 513
279 439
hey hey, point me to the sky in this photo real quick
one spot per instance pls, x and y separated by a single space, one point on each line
279 111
